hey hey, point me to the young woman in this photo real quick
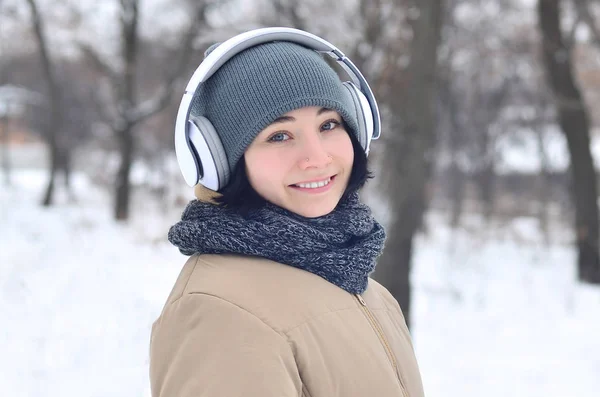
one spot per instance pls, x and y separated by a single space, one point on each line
276 299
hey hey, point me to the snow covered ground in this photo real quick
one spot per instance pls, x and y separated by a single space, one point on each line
495 313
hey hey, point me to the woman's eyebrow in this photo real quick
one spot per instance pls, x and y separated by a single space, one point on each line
284 119
324 110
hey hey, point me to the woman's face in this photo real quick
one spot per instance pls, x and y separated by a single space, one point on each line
302 161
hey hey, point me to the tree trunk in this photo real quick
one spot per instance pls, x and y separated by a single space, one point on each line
54 99
574 122
407 158
59 162
542 189
123 188
6 166
49 193
126 89
65 166
456 177
456 188
487 187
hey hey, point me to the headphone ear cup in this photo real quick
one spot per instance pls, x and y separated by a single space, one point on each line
207 146
363 113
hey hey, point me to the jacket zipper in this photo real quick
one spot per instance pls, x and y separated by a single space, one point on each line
382 339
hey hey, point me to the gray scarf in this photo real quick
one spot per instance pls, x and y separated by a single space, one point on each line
342 246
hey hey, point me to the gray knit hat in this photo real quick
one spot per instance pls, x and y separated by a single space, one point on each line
260 84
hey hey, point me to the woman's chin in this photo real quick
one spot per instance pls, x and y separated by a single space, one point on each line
313 210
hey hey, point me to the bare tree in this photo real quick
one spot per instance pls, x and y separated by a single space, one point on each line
574 121
54 99
129 110
408 151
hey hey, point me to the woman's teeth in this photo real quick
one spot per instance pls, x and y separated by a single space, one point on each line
314 185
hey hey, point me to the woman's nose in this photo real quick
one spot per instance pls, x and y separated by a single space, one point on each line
314 154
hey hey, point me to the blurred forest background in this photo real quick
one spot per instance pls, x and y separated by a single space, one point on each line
490 108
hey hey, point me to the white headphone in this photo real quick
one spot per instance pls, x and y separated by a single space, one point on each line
199 150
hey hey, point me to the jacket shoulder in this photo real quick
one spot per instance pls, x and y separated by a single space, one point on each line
280 295
387 298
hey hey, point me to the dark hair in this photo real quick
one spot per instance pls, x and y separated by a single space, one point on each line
239 195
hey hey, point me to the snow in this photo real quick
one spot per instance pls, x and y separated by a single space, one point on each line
78 294
496 315
495 311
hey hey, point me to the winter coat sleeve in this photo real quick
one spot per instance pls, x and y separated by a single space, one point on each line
204 346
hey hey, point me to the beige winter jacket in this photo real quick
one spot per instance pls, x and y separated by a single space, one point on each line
242 326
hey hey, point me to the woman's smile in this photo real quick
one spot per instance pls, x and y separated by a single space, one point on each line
314 187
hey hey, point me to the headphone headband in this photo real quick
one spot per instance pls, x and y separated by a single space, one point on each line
228 49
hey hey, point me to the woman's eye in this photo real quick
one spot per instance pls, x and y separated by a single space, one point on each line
279 137
330 125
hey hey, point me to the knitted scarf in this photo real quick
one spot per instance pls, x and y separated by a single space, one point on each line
341 247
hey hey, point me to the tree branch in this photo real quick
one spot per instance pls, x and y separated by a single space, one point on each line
570 38
584 14
102 67
290 11
165 92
